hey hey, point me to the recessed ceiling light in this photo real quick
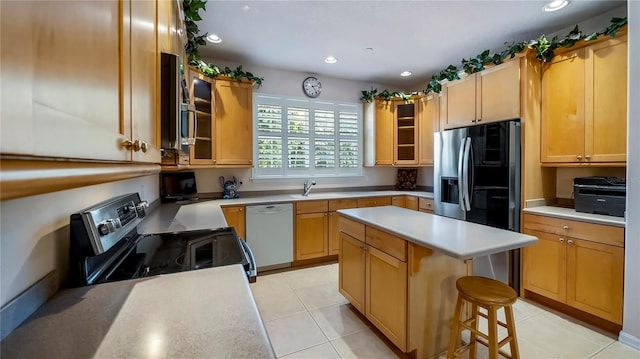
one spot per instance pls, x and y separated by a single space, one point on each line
246 8
330 60
369 48
405 73
555 5
214 39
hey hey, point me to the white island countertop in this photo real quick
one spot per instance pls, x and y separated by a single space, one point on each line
207 313
456 238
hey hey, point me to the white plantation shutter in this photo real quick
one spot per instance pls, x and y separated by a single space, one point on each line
306 138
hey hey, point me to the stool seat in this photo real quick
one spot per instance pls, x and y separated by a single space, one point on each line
491 295
486 291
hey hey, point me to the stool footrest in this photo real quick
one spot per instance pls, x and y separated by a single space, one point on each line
502 324
466 325
500 351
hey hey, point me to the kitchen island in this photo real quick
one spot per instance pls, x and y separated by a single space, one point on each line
398 267
208 313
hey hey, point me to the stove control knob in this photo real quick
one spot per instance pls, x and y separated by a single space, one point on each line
140 207
107 226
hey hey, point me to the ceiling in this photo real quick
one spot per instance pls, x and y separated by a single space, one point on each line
423 37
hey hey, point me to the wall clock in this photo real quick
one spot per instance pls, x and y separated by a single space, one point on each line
311 86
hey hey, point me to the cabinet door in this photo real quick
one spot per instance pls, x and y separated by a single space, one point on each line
386 295
384 132
429 115
411 203
234 123
144 81
311 235
405 135
60 79
594 278
399 201
544 266
235 218
562 136
201 90
334 228
499 94
461 103
351 270
606 101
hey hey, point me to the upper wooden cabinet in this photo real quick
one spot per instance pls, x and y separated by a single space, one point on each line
429 121
224 123
383 114
86 94
405 133
487 96
584 102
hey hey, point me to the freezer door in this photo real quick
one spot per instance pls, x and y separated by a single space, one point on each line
447 187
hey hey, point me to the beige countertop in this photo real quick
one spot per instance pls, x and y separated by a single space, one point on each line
570 213
208 214
456 238
207 313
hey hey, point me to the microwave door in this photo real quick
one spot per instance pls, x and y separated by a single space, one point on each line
448 195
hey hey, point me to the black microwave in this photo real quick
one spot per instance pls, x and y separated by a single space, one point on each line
176 110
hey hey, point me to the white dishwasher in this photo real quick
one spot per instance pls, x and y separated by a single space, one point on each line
269 233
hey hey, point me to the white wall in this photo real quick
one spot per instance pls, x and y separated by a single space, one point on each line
631 320
34 231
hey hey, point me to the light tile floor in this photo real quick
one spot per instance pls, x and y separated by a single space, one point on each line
306 317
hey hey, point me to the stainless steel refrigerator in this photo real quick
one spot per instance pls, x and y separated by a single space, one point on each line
477 179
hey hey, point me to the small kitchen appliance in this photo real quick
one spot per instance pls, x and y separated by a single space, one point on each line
600 195
106 246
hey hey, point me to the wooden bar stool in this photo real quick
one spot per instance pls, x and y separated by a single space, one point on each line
491 295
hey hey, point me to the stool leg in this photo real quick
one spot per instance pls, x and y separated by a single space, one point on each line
493 332
473 337
511 331
454 336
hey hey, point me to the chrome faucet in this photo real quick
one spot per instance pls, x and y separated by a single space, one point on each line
307 187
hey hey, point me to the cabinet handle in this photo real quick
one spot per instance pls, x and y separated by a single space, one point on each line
561 240
569 242
579 157
473 121
478 120
127 144
565 227
143 146
588 157
241 209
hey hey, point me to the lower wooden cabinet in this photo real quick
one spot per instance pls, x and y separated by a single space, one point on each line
234 215
585 273
311 230
425 205
334 230
407 291
374 202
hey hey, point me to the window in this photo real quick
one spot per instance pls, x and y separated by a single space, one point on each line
301 137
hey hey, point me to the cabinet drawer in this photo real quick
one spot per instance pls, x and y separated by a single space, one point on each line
311 206
374 202
412 203
387 243
576 229
425 204
336 204
351 227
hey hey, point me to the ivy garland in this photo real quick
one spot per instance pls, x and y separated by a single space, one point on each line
191 17
542 46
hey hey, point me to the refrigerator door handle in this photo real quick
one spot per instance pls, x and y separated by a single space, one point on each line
465 174
471 173
460 176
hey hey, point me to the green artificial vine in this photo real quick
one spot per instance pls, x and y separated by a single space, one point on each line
542 46
191 17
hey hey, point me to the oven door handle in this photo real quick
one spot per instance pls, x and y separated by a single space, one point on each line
253 272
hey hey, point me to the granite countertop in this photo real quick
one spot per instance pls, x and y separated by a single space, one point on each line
570 213
456 238
198 314
181 216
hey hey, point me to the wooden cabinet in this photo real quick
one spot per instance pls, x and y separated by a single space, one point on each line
487 96
576 263
224 123
584 105
86 94
383 117
311 229
334 230
234 215
408 202
429 120
425 205
374 281
374 202
405 134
